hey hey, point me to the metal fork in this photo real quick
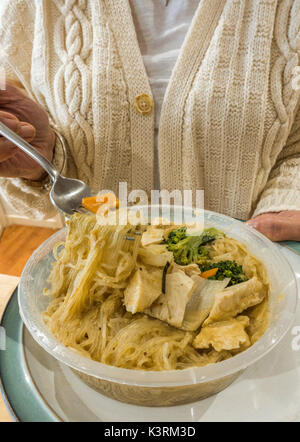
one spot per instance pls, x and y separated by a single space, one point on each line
66 193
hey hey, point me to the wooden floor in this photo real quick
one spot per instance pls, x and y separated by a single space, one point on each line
17 244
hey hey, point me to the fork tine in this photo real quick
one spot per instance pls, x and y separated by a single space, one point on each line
82 210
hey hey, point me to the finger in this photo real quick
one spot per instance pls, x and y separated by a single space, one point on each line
27 131
10 120
270 226
24 129
9 94
252 223
21 166
7 149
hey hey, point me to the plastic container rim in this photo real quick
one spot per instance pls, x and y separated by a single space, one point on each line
140 378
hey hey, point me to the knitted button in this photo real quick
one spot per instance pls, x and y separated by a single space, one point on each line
144 104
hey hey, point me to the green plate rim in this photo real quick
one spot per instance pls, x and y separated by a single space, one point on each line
16 387
294 246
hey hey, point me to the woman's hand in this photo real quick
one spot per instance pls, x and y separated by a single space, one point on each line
281 226
29 120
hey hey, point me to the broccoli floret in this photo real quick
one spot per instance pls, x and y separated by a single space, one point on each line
226 269
189 249
176 235
210 234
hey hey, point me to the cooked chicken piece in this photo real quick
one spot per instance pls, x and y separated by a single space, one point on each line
224 335
153 235
170 306
143 289
235 299
191 270
201 301
195 228
155 255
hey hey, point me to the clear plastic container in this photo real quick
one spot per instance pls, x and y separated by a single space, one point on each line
150 388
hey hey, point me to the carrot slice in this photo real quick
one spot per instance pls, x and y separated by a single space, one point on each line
209 273
104 202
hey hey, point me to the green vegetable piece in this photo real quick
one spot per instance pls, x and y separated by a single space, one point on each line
210 234
166 267
176 235
226 269
189 249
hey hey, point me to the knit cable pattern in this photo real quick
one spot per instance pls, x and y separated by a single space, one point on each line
272 189
73 84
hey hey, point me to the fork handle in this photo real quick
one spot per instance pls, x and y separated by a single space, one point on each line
29 150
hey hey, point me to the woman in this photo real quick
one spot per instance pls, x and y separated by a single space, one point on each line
221 75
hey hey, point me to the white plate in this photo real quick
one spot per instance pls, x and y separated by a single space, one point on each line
267 391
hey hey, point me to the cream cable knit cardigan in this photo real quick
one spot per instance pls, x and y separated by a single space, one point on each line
229 121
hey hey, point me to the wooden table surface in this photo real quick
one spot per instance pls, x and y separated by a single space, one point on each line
7 287
16 245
